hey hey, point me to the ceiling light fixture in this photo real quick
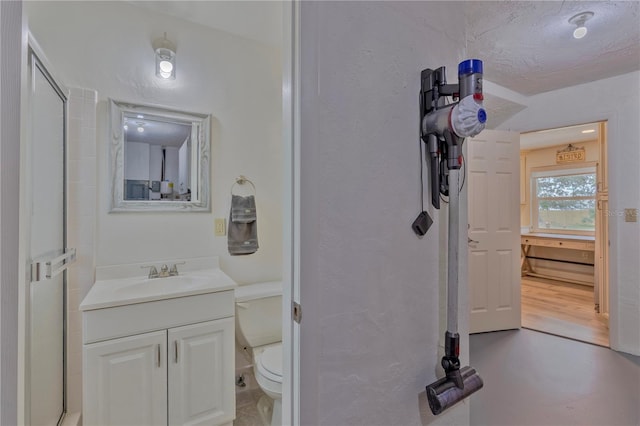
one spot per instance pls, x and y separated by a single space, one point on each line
140 128
165 58
579 21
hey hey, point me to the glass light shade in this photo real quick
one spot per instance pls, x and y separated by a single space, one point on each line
580 32
165 63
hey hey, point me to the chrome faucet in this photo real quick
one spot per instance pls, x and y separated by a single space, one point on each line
174 269
164 271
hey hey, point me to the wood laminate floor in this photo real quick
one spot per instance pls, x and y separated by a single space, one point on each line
563 309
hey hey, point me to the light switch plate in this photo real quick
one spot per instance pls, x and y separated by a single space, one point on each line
220 227
630 215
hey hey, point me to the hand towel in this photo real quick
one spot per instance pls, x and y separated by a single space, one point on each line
242 235
243 209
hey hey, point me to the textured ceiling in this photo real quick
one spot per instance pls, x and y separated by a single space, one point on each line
156 131
257 20
527 46
499 109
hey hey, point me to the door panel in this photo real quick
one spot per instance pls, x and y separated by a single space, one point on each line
478 263
494 231
46 368
125 381
201 369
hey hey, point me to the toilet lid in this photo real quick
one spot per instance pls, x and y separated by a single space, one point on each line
270 363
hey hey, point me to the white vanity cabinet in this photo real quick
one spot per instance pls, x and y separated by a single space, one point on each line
161 362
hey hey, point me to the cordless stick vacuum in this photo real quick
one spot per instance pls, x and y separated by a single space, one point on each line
443 129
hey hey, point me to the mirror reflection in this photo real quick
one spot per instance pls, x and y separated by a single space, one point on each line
159 158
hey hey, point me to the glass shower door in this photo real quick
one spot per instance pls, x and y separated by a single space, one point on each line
47 243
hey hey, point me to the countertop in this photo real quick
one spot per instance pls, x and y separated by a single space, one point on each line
125 291
559 236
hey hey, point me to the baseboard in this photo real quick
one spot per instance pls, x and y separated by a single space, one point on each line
72 419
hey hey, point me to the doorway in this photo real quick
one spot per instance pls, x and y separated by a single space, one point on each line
564 238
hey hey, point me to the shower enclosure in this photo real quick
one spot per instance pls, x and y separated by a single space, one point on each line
44 238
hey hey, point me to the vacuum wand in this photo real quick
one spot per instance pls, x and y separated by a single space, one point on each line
458 383
443 129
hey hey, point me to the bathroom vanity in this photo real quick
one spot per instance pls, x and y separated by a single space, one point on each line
159 351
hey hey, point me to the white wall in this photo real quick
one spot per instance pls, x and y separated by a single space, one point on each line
370 289
171 162
616 100
136 161
237 80
184 154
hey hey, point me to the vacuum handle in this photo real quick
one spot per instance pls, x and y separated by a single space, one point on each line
432 148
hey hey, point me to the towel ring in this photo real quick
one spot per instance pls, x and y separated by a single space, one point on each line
241 180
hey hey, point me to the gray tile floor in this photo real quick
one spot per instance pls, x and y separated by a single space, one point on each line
246 408
532 378
247 401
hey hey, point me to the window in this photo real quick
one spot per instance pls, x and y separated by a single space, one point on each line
564 200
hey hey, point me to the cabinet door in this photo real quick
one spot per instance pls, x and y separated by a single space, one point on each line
125 381
201 369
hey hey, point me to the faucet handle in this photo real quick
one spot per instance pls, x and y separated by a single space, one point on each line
153 272
174 268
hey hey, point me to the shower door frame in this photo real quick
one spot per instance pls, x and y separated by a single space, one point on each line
36 61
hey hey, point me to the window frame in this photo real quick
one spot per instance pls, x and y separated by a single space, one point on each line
554 171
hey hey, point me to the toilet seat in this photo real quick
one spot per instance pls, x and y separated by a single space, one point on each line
269 363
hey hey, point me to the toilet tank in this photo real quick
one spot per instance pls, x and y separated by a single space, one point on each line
259 313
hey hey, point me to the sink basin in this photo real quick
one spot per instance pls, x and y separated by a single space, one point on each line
126 291
168 285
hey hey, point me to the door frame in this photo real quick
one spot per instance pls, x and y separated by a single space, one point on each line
291 211
604 125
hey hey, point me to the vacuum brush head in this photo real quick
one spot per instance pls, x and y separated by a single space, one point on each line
443 393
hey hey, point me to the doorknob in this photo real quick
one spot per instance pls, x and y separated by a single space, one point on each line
470 241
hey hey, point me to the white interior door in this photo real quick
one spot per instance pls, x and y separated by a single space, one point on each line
494 231
46 369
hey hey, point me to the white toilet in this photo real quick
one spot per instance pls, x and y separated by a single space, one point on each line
259 330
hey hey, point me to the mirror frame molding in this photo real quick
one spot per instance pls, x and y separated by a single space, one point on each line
117 109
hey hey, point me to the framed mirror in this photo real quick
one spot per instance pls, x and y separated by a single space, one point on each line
159 159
